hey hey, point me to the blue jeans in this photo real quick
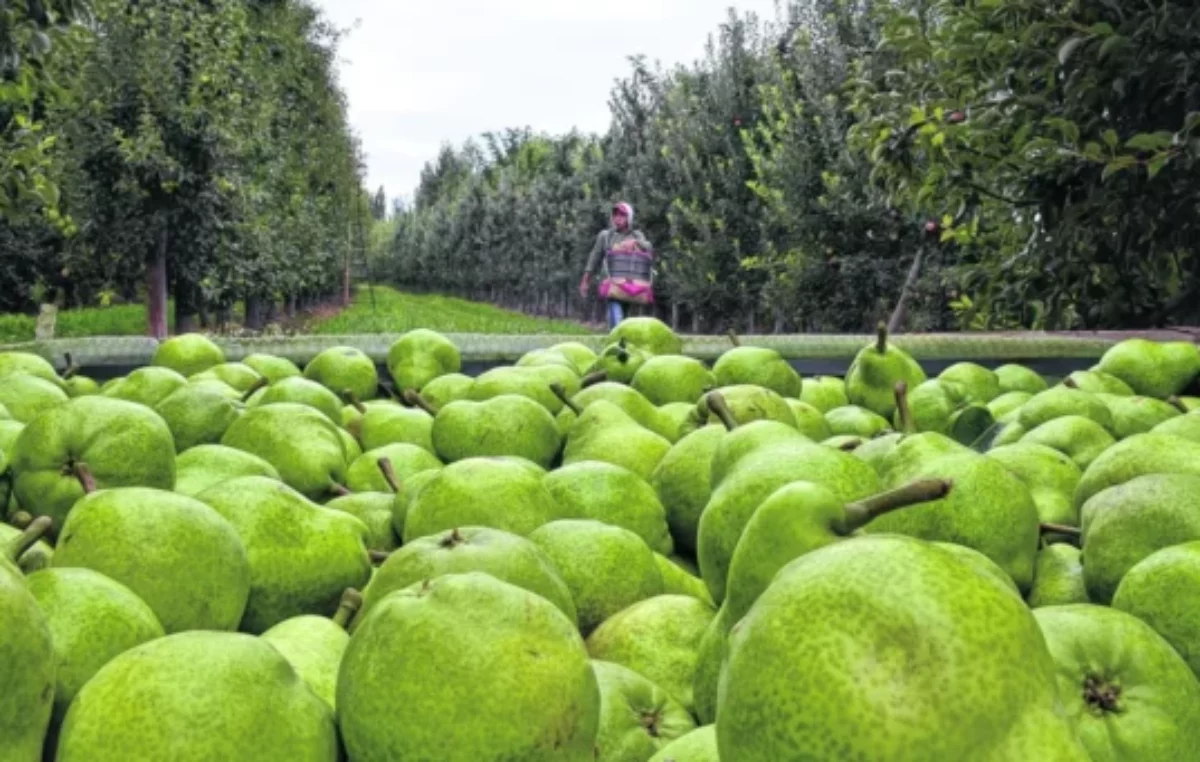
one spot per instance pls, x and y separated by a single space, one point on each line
616 313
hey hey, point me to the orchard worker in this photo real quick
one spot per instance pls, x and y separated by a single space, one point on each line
626 258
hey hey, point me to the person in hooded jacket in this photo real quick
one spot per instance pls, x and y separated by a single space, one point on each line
620 238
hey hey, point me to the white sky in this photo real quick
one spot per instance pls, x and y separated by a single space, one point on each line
419 73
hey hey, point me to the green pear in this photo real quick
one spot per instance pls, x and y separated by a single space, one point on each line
374 510
202 467
1160 590
658 638
742 441
649 334
746 404
853 420
758 366
406 689
215 695
222 389
81 386
1011 432
637 717
500 493
240 376
680 577
682 480
1153 369
1018 378
420 356
27 657
1187 404
302 391
614 495
981 564
26 397
314 645
1058 577
92 620
344 369
1128 693
147 386
678 419
174 552
1124 524
443 390
1062 401
872 376
635 405
945 406
1080 439
603 432
1185 426
1136 415
197 416
810 421
302 556
606 568
538 357
710 660
824 393
304 446
1136 456
979 384
801 644
29 364
912 454
188 354
700 745
111 443
673 378
404 493
364 474
581 355
1098 382
270 367
619 362
1050 476
1004 408
503 555
37 557
384 423
505 425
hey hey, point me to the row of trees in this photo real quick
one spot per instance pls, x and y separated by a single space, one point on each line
989 164
198 149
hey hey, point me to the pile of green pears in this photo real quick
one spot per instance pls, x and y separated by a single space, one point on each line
619 556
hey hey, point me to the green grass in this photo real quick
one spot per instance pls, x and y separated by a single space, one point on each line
123 320
396 312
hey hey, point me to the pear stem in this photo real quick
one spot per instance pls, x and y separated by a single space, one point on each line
85 477
881 338
1177 403
378 556
259 384
352 399
720 408
850 445
592 379
1061 529
561 393
416 400
34 532
733 338
348 606
389 391
389 474
906 422
1070 383
863 512
72 369
21 519
339 490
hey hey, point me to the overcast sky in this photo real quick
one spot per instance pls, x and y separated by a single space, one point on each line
419 73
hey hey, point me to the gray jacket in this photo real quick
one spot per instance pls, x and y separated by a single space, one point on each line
608 239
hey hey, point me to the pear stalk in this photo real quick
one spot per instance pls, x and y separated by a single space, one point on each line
414 399
378 556
561 393
21 519
1070 531
349 605
906 421
863 512
850 445
259 384
34 532
388 390
1177 403
1070 383
733 338
720 408
881 338
353 401
389 474
340 490
85 477
72 369
592 379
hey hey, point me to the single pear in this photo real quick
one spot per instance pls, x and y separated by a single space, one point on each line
1187 404
746 404
344 369
1136 415
240 376
681 577
197 416
1136 456
404 493
314 645
222 389
304 446
580 354
810 421
500 493
1011 432
946 407
188 354
650 334
1080 439
682 480
637 717
206 465
1185 426
384 423
1018 378
302 556
710 660
801 644
741 441
673 378
1004 408
1063 401
1098 382
533 383
420 356
1050 476
619 362
658 638
1153 369
856 421
302 391
872 376
981 564
147 386
443 390
606 568
537 357
174 552
1160 590
364 474
29 364
505 425
700 745
270 367
913 453
27 397
824 392
406 689
215 695
613 495
374 510
81 386
758 366
105 442
635 405
979 384
603 432
678 420
1058 577
1128 693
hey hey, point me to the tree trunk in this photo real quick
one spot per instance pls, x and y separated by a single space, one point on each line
675 316
156 288
186 305
900 313
255 313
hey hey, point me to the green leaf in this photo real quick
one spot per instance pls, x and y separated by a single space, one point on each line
1111 139
1116 166
1068 49
1111 44
1155 165
1150 141
1101 29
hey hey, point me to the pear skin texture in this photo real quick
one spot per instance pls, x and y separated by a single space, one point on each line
682 480
650 334
606 568
1098 382
1007 404
374 510
1081 439
92 620
207 465
1018 378
147 386
270 367
420 356
304 446
911 454
824 393
81 386
407 460
1062 401
1058 577
199 696
1185 426
658 638
27 662
605 433
613 495
174 552
1103 656
982 565
635 405
197 416
488 492
637 717
443 390
1136 456
539 357
26 397
1160 590
853 420
678 420
980 384
404 498
504 425
341 369
122 443
580 354
302 556
1153 369
750 403
188 354
1050 476
303 391
466 668
314 646
758 366
34 559
678 580
12 363
745 440
387 423
1124 524
238 375
810 421
872 378
710 660
673 378
503 555
1137 415
858 627
698 746
620 364
533 383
